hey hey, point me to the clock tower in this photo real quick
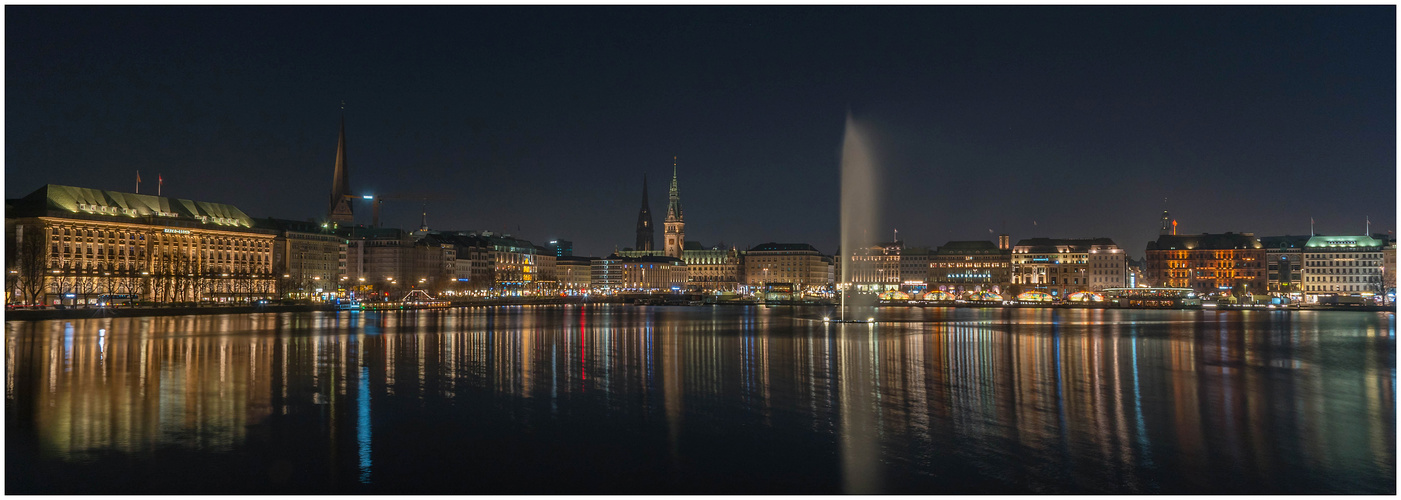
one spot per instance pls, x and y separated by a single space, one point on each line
675 222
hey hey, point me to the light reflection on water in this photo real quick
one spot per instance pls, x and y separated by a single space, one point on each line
715 399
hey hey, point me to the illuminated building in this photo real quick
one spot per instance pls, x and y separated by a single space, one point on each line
307 256
675 221
617 274
431 265
1389 265
873 269
1137 274
961 266
712 269
74 244
1284 266
560 248
515 263
605 274
646 230
1343 265
340 211
914 268
546 278
797 265
377 257
472 268
495 263
1062 266
1225 264
574 274
1108 266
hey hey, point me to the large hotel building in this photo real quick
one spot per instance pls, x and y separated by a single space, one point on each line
1062 266
1344 265
71 245
1228 264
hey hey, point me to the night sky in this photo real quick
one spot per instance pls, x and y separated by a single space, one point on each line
541 121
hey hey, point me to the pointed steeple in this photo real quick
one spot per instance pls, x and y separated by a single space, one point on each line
675 244
645 227
673 208
340 207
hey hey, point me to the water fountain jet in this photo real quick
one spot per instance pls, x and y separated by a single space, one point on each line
858 215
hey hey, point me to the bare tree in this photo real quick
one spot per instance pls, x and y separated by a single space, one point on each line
242 283
84 287
62 285
30 263
163 272
128 281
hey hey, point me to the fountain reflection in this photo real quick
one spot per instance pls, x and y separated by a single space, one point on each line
976 401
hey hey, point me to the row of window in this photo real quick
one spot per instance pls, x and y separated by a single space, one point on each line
1344 279
1343 256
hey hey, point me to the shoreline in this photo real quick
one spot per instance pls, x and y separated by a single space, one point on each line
48 314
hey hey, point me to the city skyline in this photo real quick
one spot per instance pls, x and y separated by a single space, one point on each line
969 150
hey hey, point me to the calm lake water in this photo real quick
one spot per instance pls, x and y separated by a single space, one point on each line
624 399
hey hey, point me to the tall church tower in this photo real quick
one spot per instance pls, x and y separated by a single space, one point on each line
646 229
340 208
675 222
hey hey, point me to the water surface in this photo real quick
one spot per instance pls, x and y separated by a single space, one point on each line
624 399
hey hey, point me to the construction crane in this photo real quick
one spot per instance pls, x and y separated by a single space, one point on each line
378 199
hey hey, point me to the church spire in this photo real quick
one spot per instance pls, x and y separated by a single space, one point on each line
675 223
673 208
340 208
646 231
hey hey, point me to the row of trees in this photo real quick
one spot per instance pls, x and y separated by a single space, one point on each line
171 277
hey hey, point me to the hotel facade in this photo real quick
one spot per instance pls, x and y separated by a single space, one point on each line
1227 264
72 245
1063 266
1344 266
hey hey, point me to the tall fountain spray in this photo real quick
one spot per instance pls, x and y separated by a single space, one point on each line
858 213
860 442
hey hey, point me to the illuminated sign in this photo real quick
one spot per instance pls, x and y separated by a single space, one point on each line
177 231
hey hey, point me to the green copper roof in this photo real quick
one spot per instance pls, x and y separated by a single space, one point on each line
1344 241
78 201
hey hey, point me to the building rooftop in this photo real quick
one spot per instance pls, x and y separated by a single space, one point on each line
1344 242
968 248
1053 245
1205 241
657 259
1286 241
96 204
300 226
784 247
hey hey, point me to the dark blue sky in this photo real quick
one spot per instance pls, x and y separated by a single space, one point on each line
545 118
